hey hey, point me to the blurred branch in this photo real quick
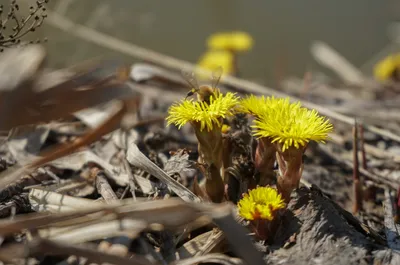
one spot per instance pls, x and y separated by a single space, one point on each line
328 57
241 85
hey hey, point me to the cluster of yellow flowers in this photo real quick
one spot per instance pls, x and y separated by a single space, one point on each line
222 49
287 124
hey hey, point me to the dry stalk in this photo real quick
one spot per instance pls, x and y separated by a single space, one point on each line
357 185
362 147
42 199
96 231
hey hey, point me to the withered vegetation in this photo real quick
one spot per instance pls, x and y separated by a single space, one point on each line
91 174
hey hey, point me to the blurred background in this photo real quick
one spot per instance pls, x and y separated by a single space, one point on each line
282 31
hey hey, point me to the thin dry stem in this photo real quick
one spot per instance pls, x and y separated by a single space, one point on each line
357 185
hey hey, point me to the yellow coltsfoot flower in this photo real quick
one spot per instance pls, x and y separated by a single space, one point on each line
201 113
386 68
233 41
206 117
257 106
213 59
266 149
291 125
260 203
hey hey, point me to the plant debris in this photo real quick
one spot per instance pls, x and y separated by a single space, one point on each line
91 173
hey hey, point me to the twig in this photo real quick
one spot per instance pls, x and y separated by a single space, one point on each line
362 147
113 43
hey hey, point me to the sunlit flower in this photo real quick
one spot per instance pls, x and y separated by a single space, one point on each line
233 41
212 60
200 112
260 203
257 106
384 69
289 124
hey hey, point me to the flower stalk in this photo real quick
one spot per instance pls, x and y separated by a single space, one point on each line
264 161
210 147
290 164
206 118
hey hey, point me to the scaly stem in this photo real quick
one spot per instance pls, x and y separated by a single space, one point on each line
290 170
210 149
264 161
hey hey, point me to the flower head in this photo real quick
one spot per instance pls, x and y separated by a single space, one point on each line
257 106
225 128
207 115
212 60
234 41
384 69
289 124
260 203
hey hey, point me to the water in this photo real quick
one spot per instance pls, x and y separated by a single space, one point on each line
282 30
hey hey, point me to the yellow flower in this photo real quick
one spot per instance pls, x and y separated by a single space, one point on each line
384 69
208 115
260 203
225 128
257 106
233 41
291 125
211 60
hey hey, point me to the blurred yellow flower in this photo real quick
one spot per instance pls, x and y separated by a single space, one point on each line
384 69
225 128
260 203
289 124
208 115
212 60
232 41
